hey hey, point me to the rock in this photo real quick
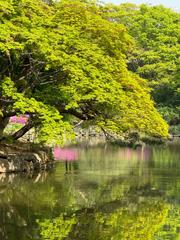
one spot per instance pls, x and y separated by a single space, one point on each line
21 161
13 165
2 155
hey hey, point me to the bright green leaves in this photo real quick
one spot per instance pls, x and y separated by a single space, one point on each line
87 18
137 111
6 8
49 123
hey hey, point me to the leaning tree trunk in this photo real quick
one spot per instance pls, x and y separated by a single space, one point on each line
22 131
18 134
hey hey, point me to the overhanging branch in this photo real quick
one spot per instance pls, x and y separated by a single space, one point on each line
80 115
22 131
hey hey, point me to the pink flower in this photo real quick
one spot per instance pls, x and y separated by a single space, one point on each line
65 154
19 119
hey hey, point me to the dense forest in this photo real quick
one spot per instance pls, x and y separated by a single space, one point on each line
114 67
156 31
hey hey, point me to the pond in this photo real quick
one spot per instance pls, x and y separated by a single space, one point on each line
100 193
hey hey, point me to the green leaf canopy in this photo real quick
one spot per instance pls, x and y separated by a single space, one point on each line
63 61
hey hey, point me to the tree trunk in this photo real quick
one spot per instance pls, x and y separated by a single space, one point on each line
3 123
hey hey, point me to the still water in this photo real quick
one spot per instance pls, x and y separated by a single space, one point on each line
99 193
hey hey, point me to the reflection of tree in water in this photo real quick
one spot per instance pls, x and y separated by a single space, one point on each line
108 198
113 208
132 213
120 207
135 221
171 227
137 215
57 228
21 197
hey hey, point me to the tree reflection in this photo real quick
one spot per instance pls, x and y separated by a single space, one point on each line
130 222
21 198
171 227
107 197
57 228
137 221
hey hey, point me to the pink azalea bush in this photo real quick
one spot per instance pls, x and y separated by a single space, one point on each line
19 119
65 154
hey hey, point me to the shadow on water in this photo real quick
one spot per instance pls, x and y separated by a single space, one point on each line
95 193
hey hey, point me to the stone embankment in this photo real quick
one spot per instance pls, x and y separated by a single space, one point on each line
23 158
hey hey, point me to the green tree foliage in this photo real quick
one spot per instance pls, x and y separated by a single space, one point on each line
156 31
64 61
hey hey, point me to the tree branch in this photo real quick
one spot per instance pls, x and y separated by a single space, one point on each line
107 135
6 100
23 130
175 121
80 115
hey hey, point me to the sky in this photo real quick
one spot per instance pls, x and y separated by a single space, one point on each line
175 4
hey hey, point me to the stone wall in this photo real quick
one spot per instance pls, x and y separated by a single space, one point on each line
24 158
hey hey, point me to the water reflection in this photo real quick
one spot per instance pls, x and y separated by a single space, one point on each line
69 156
65 154
108 193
